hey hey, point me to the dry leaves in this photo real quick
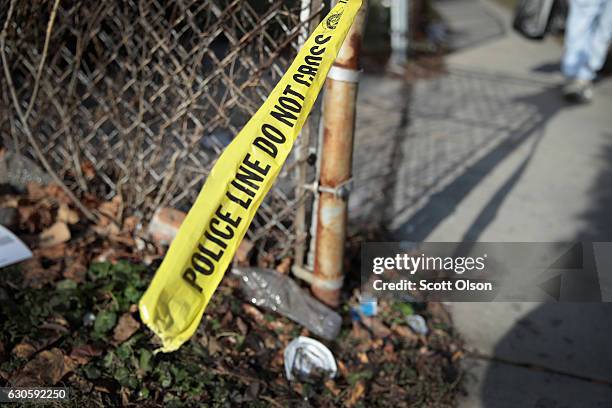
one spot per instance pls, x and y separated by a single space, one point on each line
88 169
254 313
54 253
24 350
40 207
112 208
440 314
66 215
265 260
356 394
56 234
131 224
363 357
358 332
242 326
47 368
284 266
389 353
84 353
35 191
57 194
243 253
332 387
211 344
62 245
36 276
110 213
28 347
405 333
76 268
126 327
342 369
377 327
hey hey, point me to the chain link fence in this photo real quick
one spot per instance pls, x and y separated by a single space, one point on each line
139 98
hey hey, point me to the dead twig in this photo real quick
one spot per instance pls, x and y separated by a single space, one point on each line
246 379
271 401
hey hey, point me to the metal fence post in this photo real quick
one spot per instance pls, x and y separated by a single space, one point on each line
308 7
399 32
339 105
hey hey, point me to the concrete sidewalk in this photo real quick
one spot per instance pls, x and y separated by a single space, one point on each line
491 152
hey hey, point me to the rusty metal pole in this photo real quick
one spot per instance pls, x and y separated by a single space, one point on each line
339 106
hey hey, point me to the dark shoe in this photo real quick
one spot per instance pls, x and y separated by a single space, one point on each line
578 90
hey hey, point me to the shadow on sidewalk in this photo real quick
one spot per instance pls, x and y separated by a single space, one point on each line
598 217
559 354
556 356
471 23
536 110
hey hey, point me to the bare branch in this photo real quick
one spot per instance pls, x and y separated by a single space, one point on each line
26 127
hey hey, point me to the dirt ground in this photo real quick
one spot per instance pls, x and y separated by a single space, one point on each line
68 317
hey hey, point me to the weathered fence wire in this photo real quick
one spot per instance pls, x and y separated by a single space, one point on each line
138 98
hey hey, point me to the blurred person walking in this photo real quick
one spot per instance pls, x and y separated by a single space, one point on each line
588 33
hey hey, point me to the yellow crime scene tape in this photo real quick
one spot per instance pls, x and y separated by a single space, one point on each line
200 254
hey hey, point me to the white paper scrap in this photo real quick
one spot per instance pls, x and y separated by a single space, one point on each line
12 249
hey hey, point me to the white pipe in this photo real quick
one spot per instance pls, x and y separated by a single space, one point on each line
399 30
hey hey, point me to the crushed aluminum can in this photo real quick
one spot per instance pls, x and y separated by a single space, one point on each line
308 360
368 306
417 324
